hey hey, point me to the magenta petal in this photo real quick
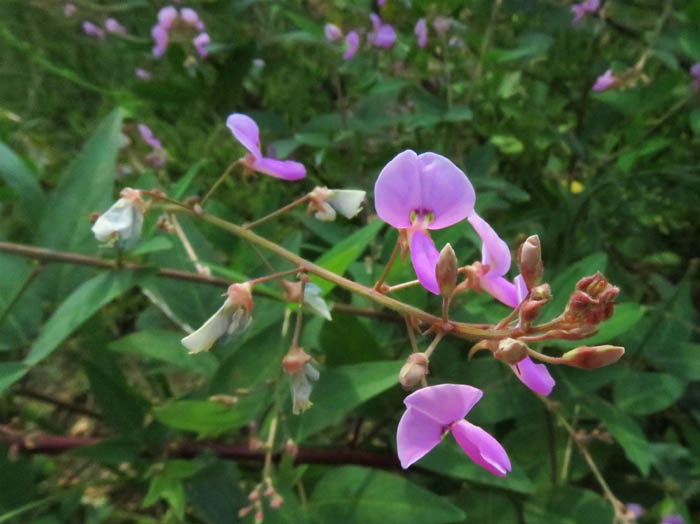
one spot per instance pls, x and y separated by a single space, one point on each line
444 403
352 41
482 448
424 257
285 169
385 36
417 434
376 21
534 376
501 289
397 191
494 251
520 287
445 190
246 132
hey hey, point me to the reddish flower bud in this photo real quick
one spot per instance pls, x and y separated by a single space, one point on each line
593 357
276 502
531 306
446 270
294 360
413 371
530 261
593 301
291 448
292 291
511 351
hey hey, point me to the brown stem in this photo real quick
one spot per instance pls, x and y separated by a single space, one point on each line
277 212
387 268
218 182
68 406
273 276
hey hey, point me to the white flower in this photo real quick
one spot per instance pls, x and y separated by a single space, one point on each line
313 299
325 202
231 318
297 364
121 224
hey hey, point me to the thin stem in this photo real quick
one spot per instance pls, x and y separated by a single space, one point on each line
35 272
387 268
274 276
568 449
403 285
504 323
446 309
74 408
411 335
201 269
269 446
218 182
433 344
297 327
543 357
277 212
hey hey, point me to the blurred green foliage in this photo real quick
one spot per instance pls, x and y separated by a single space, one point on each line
610 181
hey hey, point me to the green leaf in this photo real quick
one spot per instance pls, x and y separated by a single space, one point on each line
23 182
682 360
341 390
168 484
20 323
507 144
208 418
165 346
151 245
624 430
11 372
695 121
181 186
568 505
79 306
489 507
449 459
355 495
215 493
339 257
459 114
642 393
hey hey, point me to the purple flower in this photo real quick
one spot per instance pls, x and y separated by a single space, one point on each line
353 43
442 24
69 9
381 3
496 259
160 36
673 519
580 10
113 26
148 137
432 412
190 17
421 32
167 16
605 81
636 510
695 72
142 74
201 41
332 33
91 29
383 35
418 193
246 132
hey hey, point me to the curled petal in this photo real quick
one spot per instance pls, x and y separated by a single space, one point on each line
424 257
246 132
445 190
534 376
212 330
520 288
285 169
445 403
482 448
501 289
416 435
494 251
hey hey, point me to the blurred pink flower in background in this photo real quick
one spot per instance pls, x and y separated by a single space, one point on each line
69 9
695 72
382 35
142 74
113 26
605 81
91 29
201 41
352 40
580 10
421 32
332 33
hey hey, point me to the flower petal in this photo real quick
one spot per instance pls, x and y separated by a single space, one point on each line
352 40
445 190
416 435
246 132
494 251
121 223
520 287
212 330
424 256
444 403
347 202
482 448
534 376
501 289
313 299
284 169
397 191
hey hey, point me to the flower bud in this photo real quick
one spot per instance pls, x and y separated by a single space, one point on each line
530 261
297 365
511 351
531 306
593 357
413 371
593 301
292 291
446 270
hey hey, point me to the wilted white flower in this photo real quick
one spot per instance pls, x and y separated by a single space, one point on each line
313 299
121 224
297 364
231 318
326 202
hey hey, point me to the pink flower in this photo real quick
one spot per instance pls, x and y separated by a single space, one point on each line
580 10
383 35
605 81
332 33
190 17
69 9
419 193
442 24
432 412
160 36
142 74
381 3
113 26
421 32
496 259
353 43
91 29
695 72
246 132
148 137
167 16
201 41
